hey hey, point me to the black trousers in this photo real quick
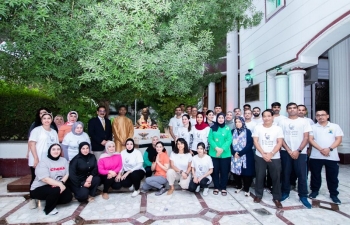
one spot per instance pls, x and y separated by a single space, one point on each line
107 183
52 196
149 171
203 184
275 171
82 193
32 170
243 181
133 178
221 172
332 171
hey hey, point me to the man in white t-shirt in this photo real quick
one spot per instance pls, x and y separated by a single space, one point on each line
174 124
268 140
325 138
302 111
250 124
256 115
276 108
193 115
294 153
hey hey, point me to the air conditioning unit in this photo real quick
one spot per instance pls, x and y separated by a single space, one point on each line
311 75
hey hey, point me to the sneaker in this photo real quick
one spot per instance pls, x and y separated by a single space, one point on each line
336 200
313 195
135 193
198 188
247 194
53 212
131 188
305 202
33 204
238 190
161 191
284 197
205 191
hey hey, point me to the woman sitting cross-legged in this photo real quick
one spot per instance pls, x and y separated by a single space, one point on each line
202 167
109 166
49 184
180 166
243 164
132 172
83 175
160 166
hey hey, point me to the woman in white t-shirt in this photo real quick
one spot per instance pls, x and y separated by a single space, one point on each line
202 167
71 141
180 166
40 139
200 133
133 171
185 131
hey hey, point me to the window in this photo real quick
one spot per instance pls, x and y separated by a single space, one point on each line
272 7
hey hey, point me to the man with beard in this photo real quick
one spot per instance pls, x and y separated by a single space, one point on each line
276 108
256 113
250 124
294 153
237 112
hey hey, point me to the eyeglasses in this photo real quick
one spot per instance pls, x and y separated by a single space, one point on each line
318 115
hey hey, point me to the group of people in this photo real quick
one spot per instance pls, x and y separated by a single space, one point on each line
274 149
207 146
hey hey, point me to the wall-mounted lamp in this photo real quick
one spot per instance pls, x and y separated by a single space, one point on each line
248 77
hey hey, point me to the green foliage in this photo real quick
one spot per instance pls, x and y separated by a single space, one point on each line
19 105
18 110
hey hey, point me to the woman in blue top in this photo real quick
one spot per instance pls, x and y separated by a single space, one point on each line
243 165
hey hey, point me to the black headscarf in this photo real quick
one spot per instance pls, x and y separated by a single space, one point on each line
133 145
152 153
49 153
216 125
81 146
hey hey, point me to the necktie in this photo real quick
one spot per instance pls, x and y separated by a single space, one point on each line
103 124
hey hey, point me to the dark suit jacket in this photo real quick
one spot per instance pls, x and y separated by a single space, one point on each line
98 134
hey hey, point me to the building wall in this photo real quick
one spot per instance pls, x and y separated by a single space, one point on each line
278 40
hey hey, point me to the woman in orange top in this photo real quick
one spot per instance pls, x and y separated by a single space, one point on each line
72 117
160 166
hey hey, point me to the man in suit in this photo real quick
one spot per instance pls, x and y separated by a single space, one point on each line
100 131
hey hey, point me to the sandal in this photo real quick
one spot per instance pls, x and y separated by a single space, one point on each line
223 192
215 192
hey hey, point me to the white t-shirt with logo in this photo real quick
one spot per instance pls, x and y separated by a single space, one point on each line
73 141
130 160
182 132
293 131
202 165
175 123
200 136
44 139
267 138
324 136
181 160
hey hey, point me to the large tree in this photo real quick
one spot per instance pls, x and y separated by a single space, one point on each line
117 48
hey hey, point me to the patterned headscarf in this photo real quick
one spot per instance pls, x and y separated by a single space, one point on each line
239 130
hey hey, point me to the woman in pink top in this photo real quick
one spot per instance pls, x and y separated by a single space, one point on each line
109 165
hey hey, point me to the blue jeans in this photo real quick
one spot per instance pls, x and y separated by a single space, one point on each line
299 166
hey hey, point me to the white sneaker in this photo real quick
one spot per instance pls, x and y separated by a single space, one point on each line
247 194
33 204
205 191
198 188
131 188
135 193
53 212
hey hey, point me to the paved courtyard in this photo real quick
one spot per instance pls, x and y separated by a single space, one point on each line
182 208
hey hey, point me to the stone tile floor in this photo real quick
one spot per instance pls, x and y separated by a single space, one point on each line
182 208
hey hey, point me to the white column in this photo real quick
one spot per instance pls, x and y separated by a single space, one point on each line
232 92
281 91
211 95
339 89
271 89
296 86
